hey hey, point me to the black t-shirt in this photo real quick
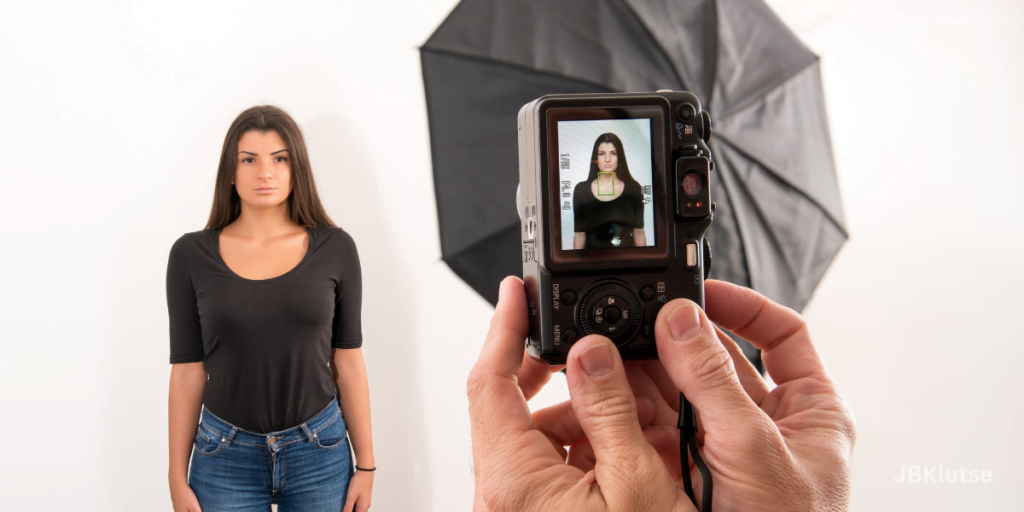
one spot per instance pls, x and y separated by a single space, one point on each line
266 344
605 221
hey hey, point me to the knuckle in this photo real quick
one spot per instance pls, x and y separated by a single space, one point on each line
711 366
610 404
475 382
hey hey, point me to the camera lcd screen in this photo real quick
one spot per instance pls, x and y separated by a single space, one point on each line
605 184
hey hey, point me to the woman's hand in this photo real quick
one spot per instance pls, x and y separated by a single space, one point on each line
359 489
784 450
183 499
639 237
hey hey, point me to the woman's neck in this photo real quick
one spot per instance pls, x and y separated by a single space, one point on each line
263 223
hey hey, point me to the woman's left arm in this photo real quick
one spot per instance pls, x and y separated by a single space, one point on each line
354 396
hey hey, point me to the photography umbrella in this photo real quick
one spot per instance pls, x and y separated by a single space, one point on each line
779 220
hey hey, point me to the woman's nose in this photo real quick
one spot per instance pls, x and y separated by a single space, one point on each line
265 170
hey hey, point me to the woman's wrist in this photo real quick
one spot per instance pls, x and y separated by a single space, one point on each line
176 477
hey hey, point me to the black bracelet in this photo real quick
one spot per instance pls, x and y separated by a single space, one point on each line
361 469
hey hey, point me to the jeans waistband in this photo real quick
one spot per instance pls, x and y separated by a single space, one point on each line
306 432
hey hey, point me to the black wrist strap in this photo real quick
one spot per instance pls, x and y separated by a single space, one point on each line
688 439
364 469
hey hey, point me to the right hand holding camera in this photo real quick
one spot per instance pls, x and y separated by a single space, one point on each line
788 449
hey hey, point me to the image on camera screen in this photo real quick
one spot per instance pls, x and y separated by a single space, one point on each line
605 184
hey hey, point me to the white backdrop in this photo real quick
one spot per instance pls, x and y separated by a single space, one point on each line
111 120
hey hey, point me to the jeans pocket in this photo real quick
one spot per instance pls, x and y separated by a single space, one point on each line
331 436
208 442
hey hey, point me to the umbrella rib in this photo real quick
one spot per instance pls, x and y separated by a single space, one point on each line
733 196
650 34
515 65
764 221
764 90
725 140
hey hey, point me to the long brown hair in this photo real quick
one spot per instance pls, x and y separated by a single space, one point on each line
622 172
304 206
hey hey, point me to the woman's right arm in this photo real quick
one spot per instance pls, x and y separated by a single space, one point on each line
183 405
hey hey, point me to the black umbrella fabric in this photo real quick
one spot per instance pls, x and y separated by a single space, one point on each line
779 221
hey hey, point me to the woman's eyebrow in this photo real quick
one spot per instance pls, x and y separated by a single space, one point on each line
279 151
248 153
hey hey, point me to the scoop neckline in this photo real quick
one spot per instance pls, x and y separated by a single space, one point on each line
624 185
224 264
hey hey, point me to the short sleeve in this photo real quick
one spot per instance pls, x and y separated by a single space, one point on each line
182 309
638 211
348 305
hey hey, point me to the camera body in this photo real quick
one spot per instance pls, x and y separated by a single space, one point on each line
614 204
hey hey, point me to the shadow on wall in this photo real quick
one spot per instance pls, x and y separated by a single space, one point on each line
352 199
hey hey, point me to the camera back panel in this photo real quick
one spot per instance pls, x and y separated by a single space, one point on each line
614 206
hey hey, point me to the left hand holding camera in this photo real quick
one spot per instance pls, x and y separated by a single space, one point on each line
519 460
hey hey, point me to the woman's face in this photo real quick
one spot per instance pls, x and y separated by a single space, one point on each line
607 157
264 171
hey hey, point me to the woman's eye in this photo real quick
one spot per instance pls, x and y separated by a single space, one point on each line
247 160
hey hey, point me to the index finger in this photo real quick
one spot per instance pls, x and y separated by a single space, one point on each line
496 403
781 333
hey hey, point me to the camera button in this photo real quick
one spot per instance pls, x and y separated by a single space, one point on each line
569 336
649 330
691 255
612 315
568 298
647 293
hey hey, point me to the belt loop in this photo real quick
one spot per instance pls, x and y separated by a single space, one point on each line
310 436
230 436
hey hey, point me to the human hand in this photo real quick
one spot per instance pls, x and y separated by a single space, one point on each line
788 449
183 499
520 461
359 489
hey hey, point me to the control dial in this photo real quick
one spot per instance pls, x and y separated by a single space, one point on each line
612 310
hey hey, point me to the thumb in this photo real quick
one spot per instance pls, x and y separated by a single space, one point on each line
629 472
700 366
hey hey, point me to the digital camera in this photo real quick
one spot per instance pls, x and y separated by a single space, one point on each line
614 204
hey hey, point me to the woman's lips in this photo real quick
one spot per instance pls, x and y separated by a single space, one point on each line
265 190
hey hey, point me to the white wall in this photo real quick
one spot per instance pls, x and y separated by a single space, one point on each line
111 119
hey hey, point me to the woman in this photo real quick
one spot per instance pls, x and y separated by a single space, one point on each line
609 205
264 309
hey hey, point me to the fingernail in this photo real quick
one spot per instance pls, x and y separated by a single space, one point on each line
597 360
501 289
684 323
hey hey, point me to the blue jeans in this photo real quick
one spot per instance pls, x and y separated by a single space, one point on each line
304 468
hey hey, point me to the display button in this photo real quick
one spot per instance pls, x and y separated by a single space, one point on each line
569 336
649 330
647 293
568 298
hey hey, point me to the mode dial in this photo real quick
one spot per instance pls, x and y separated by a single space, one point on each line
612 310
